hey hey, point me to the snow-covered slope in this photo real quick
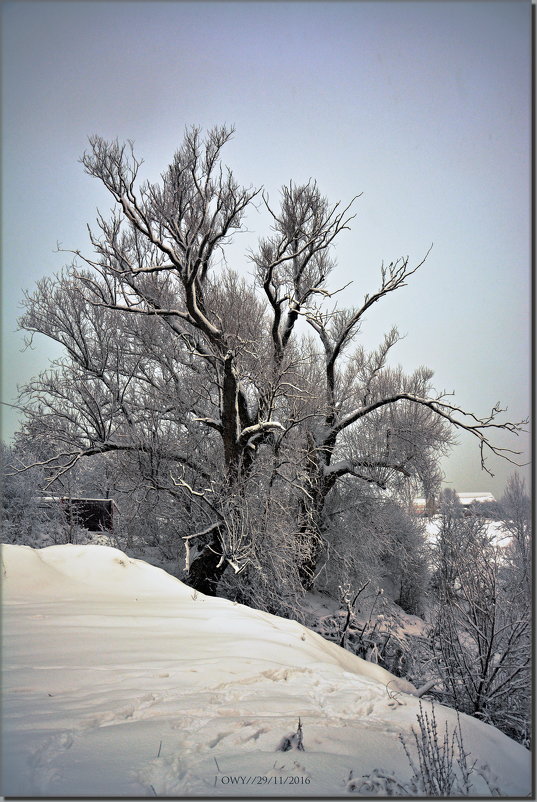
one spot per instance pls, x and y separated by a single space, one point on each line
119 680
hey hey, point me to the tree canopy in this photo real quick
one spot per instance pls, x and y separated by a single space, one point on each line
249 403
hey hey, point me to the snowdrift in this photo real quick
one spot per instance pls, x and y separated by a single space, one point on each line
119 680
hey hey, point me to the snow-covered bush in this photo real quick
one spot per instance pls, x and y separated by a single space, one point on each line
26 519
481 634
442 767
439 763
371 538
516 520
266 569
404 561
371 626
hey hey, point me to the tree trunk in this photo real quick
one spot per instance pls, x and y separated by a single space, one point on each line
311 523
205 570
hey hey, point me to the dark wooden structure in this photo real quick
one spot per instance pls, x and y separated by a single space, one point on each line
94 514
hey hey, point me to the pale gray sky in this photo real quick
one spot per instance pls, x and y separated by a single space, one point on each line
424 107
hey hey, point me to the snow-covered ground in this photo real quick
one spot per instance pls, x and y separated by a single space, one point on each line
119 680
495 530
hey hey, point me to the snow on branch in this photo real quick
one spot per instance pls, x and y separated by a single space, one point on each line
259 428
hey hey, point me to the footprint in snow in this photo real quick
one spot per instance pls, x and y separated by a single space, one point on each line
110 717
41 761
219 737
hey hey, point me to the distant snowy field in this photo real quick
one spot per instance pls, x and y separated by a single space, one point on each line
495 531
119 680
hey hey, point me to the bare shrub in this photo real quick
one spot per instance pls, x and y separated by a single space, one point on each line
440 765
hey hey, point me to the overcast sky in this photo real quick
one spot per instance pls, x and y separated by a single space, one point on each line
424 107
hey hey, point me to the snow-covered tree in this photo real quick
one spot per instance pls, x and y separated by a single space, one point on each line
482 624
25 518
205 384
516 522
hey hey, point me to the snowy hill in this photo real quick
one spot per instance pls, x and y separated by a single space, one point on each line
119 680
